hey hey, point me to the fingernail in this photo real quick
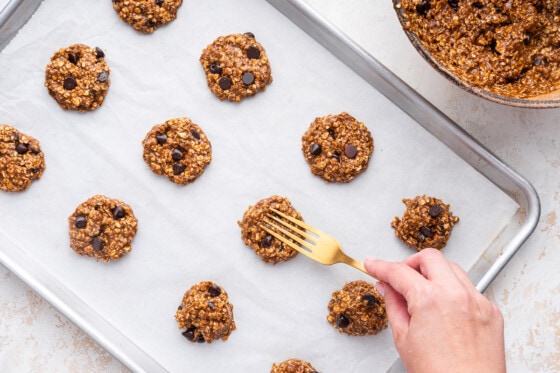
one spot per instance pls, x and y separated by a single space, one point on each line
369 259
380 288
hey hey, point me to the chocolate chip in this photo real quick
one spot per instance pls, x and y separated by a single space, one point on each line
161 138
336 156
316 149
96 243
195 134
200 339
69 83
435 210
99 53
426 232
253 53
34 150
179 308
118 212
331 133
266 241
21 148
478 5
214 290
73 58
80 221
370 299
248 78
189 334
249 34
225 83
178 168
342 321
177 154
211 305
159 2
454 4
102 77
350 151
215 68
423 7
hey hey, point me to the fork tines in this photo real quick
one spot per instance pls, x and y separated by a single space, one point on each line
278 227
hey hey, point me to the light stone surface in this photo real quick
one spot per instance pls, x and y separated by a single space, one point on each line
35 337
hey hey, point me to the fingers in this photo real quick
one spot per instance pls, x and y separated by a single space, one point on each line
431 264
397 310
399 275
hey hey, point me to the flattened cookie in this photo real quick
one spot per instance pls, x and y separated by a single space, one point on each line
236 66
177 149
293 366
206 313
357 309
337 147
102 228
147 15
426 222
21 159
78 77
268 248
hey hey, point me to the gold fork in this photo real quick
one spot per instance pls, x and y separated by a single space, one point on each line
319 246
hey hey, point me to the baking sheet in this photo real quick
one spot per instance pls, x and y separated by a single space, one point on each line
189 234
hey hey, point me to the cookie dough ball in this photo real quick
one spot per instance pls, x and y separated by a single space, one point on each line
205 313
267 247
177 149
78 77
357 309
236 67
337 147
426 222
21 159
147 15
102 228
293 366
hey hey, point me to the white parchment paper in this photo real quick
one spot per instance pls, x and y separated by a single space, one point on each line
190 234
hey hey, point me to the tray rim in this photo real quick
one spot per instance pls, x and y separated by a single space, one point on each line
372 71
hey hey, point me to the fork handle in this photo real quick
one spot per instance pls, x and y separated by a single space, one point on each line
356 264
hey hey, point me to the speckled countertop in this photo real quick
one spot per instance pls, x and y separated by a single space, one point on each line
34 337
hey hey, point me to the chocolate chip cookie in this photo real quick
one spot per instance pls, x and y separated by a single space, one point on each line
146 16
205 313
236 67
177 149
426 222
102 228
358 309
78 77
337 147
268 248
293 366
21 159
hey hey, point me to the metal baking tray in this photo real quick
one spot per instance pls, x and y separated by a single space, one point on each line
495 256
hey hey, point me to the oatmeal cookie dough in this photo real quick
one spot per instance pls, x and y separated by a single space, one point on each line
146 16
268 248
357 309
510 48
426 222
78 77
21 159
102 228
206 313
337 147
177 149
236 67
293 366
